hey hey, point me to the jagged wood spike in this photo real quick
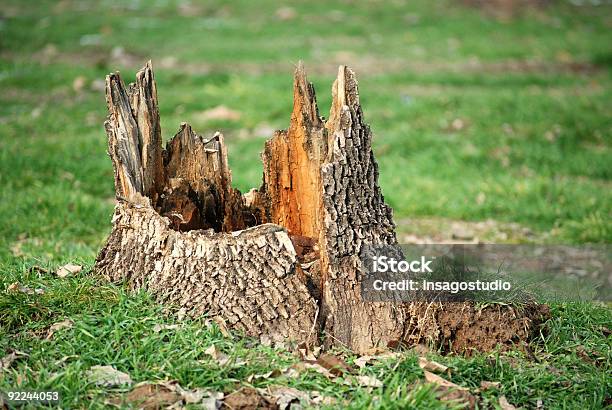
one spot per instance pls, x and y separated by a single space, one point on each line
124 142
292 161
355 215
143 97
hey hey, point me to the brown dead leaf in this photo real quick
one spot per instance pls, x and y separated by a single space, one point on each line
362 361
313 366
247 398
434 378
449 391
285 397
369 381
64 324
67 270
503 403
107 376
158 328
335 365
220 112
318 400
18 287
431 366
264 376
152 396
10 358
221 358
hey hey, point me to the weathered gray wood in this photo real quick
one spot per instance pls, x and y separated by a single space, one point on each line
281 262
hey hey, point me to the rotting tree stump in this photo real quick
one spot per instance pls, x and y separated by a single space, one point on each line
280 262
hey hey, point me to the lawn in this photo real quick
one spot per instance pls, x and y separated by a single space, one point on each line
477 118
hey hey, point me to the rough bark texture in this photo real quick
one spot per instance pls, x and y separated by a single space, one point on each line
281 262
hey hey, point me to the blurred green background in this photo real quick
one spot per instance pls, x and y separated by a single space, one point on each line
497 115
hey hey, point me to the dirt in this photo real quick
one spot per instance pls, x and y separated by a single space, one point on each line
506 9
464 327
98 56
448 231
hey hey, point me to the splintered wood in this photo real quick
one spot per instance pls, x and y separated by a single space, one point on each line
280 262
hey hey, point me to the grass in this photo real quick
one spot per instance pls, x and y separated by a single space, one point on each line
113 327
474 118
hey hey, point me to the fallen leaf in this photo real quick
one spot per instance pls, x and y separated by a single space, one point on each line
285 397
362 361
431 365
67 270
369 381
107 376
319 369
449 391
247 398
64 324
335 365
434 378
318 400
503 403
217 355
264 376
210 403
18 287
152 396
220 112
10 358
158 328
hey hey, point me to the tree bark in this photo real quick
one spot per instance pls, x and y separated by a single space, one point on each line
280 262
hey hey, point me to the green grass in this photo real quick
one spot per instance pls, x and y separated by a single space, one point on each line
534 148
112 327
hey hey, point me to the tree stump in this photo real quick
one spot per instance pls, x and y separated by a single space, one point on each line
280 262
